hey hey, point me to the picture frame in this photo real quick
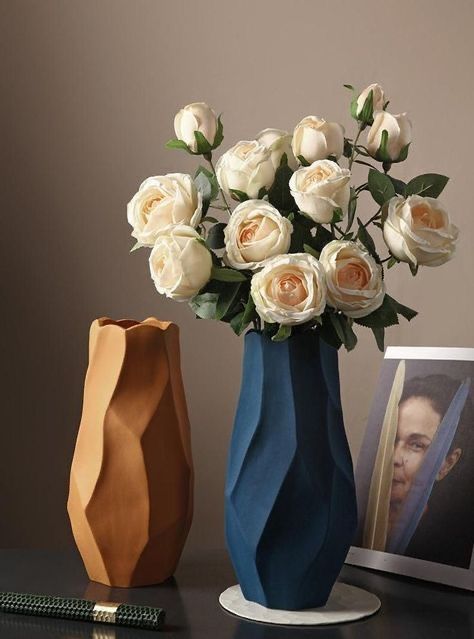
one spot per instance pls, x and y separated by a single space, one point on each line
415 471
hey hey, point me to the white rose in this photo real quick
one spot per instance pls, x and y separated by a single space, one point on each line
278 142
255 232
163 200
290 289
246 167
195 117
354 279
378 98
320 188
316 139
419 230
180 265
398 128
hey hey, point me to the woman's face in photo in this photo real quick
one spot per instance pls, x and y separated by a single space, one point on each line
417 426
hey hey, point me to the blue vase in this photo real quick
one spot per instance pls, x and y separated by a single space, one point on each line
290 504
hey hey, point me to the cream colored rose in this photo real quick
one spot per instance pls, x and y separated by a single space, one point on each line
163 200
246 167
398 128
180 264
278 142
316 139
378 98
354 279
320 188
255 232
419 230
290 289
195 117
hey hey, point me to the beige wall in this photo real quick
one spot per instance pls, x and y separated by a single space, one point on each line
89 93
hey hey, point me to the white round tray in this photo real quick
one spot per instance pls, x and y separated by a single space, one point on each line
345 603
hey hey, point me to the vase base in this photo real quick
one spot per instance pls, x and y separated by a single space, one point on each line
345 603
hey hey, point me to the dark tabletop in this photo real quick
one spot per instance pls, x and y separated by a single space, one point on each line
410 609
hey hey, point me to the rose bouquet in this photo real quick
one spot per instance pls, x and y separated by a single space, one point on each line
296 253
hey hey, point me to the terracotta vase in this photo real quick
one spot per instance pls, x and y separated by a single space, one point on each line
131 487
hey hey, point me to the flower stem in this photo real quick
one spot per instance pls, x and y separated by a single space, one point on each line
335 226
373 218
209 159
354 144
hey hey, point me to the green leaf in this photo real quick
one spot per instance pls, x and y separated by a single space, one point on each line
279 194
219 134
351 208
337 215
291 216
366 239
334 319
240 196
211 178
382 153
270 328
203 146
379 334
385 315
136 246
303 161
240 322
391 262
347 148
427 185
349 86
262 193
328 332
282 334
343 329
215 237
284 159
205 305
413 268
178 144
227 299
403 153
323 237
380 187
298 238
407 312
398 185
367 111
309 249
227 275
301 233
236 323
350 338
354 108
204 187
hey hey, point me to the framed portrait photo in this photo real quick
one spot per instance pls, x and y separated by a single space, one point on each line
415 472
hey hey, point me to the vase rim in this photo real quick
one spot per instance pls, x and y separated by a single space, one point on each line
126 324
307 333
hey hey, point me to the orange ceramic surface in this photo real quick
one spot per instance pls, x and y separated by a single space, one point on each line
131 487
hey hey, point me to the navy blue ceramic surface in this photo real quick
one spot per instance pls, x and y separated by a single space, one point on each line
290 497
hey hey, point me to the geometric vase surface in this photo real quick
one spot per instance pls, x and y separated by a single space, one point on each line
131 485
290 504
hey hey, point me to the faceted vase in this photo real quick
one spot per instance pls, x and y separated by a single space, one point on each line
290 499
131 486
